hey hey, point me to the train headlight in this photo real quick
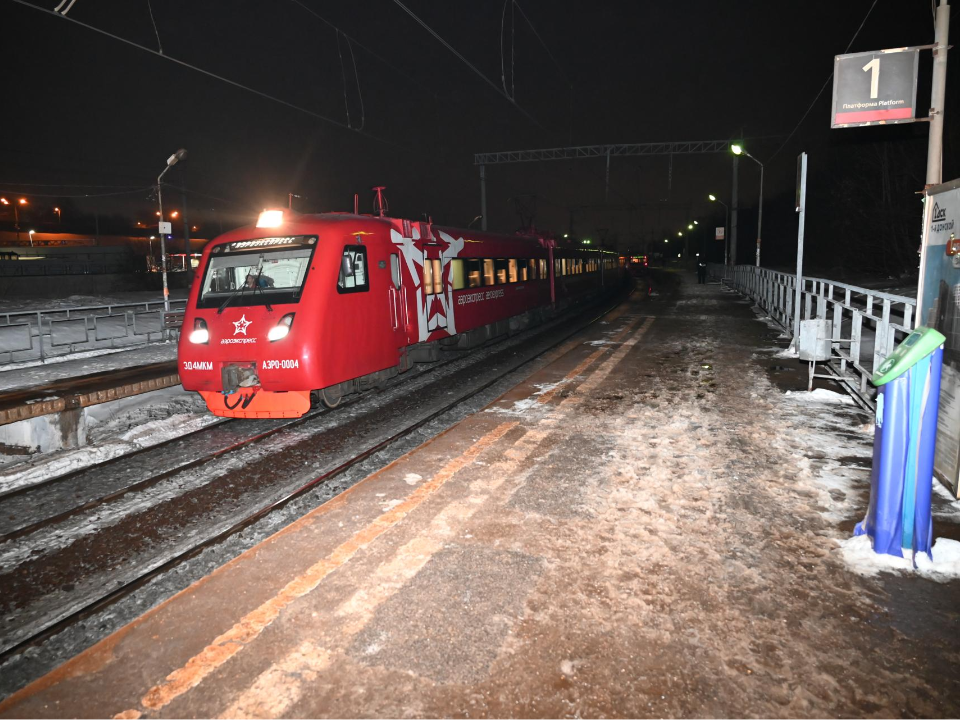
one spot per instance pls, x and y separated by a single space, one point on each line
281 329
270 218
200 334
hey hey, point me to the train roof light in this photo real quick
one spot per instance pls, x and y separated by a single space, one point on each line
270 218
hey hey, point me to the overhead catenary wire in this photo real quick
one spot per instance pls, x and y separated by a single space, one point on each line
356 76
466 62
155 31
207 73
537 35
824 87
366 48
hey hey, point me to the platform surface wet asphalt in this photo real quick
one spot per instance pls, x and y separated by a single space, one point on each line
646 527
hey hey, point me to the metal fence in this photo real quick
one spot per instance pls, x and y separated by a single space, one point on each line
27 335
867 324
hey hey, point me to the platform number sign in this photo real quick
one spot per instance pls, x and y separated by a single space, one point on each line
875 88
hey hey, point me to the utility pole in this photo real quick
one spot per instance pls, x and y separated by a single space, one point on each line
733 213
186 226
937 95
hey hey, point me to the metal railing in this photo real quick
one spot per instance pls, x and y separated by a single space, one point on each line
28 335
867 324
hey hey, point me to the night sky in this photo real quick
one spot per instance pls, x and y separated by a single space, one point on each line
87 109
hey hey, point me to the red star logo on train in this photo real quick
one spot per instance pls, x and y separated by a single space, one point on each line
241 325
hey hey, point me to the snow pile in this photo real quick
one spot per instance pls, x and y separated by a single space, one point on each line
821 395
114 429
858 553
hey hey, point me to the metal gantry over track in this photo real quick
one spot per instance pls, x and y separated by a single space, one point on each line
694 147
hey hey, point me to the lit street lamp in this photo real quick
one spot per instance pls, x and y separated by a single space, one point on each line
726 217
57 211
171 161
16 213
738 150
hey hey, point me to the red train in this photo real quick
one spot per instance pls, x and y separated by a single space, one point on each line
307 308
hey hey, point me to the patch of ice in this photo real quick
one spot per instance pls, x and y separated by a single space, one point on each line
788 353
412 478
599 343
858 553
821 395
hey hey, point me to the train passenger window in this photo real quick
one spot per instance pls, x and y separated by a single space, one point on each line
532 268
458 274
543 269
512 270
500 265
488 273
474 278
432 276
522 272
353 270
395 270
428 277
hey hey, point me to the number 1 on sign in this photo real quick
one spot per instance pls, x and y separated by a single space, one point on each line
874 67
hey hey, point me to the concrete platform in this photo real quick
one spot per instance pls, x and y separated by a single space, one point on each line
645 527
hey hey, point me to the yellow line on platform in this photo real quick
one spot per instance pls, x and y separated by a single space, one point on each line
255 622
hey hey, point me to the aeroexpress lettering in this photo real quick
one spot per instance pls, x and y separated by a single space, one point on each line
280 364
479 296
241 244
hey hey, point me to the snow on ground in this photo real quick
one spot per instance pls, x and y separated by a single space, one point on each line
113 429
821 395
858 553
71 366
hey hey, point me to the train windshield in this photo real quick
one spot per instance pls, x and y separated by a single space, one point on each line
257 272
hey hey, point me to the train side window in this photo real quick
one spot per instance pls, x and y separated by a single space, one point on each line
395 270
532 268
353 270
488 272
542 275
522 272
474 278
432 276
500 265
458 274
512 270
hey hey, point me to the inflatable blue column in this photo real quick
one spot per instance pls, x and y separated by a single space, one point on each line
899 520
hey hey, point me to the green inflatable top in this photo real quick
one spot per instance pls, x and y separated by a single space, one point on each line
918 344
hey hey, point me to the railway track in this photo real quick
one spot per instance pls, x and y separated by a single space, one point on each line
67 565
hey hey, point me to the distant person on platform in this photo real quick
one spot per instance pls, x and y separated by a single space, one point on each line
701 273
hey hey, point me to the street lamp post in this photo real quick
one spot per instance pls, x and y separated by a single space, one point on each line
171 161
738 150
726 218
57 211
16 213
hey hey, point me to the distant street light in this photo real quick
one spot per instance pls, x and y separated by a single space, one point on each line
171 161
738 150
690 226
726 217
57 211
16 213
